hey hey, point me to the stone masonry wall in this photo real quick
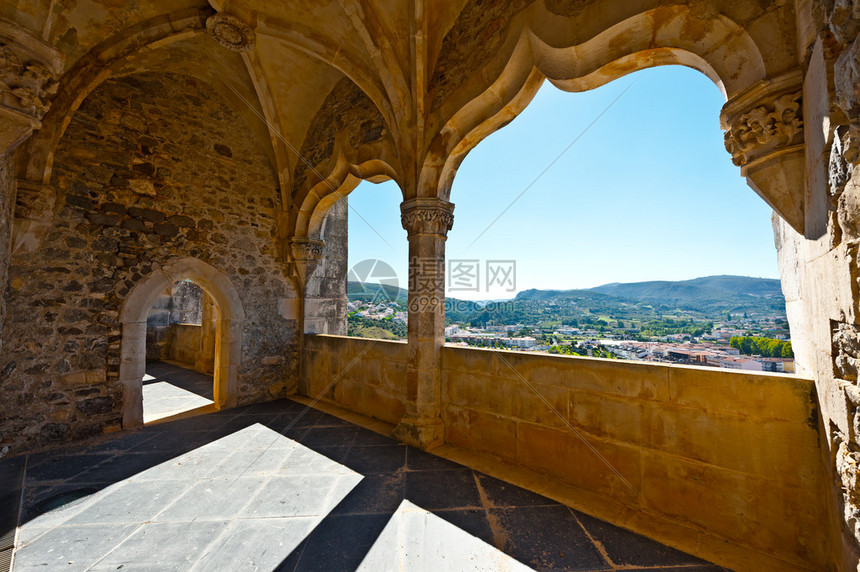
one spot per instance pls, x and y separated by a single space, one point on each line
7 195
820 270
152 167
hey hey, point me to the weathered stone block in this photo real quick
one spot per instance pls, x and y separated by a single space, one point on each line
95 406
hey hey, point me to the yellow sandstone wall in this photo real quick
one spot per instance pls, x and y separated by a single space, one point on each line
375 383
724 464
708 453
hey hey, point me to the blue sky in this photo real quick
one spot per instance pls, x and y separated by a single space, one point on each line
648 193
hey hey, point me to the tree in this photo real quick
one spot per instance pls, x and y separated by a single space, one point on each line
787 351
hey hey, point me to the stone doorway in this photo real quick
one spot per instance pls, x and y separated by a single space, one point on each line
142 319
181 336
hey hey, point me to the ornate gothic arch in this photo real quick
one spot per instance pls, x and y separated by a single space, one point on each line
711 43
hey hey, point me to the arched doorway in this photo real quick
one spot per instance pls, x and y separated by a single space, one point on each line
228 328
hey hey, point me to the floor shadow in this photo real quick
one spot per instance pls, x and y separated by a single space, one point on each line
532 529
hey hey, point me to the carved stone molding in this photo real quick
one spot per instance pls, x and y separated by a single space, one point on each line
766 124
427 216
306 254
231 32
34 214
307 249
29 69
764 134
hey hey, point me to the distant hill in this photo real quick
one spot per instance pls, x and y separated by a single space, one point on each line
706 288
706 297
367 292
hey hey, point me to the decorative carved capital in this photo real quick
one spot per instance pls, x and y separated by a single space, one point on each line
763 120
231 32
427 216
307 249
29 69
764 134
306 254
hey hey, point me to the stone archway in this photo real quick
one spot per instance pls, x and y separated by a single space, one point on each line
133 315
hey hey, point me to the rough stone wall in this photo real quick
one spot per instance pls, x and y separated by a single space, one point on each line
325 295
820 271
152 167
348 108
187 304
7 196
478 33
158 327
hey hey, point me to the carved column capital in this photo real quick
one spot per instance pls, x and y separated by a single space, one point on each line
29 69
306 254
764 134
307 249
427 216
765 119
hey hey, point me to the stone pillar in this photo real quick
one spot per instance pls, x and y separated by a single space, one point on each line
325 290
427 222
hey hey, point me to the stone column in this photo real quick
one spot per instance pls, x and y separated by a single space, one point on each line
305 256
325 289
427 222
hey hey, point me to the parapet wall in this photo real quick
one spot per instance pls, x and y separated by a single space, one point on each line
720 463
361 375
706 454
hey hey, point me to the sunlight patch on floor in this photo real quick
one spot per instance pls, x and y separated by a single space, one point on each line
162 399
416 539
246 500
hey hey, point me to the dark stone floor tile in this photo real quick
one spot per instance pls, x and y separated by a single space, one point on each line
336 454
341 542
545 538
121 467
630 549
329 437
369 460
328 420
374 494
501 494
207 422
304 418
439 490
473 520
11 485
367 438
56 468
417 460
54 497
277 407
705 568
174 442
235 423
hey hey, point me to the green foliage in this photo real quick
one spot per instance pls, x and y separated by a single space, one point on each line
385 329
765 347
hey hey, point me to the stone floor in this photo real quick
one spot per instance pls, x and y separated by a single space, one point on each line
276 486
170 390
